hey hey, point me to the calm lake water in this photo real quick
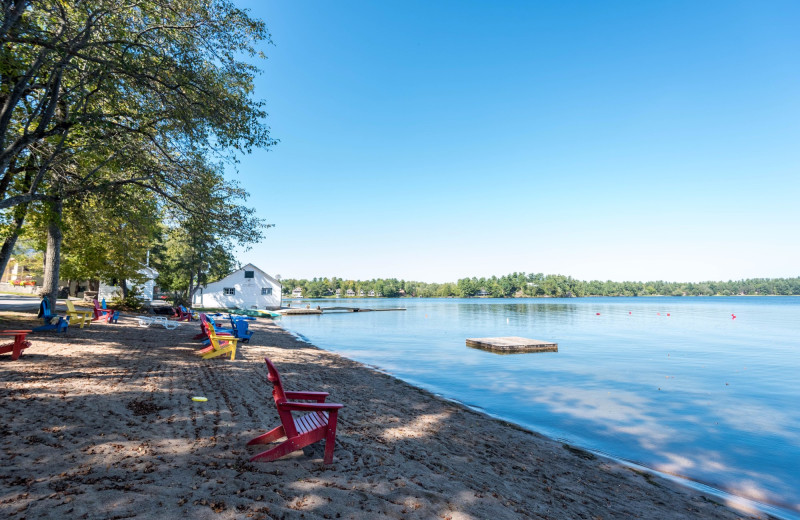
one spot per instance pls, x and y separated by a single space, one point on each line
673 384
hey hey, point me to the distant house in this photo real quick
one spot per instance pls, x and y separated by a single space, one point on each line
350 293
482 292
361 292
145 289
245 288
338 293
297 292
371 293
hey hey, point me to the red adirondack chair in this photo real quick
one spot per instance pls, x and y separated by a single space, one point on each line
107 315
18 345
318 423
185 314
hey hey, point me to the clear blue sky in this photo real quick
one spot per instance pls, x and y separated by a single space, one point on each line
603 140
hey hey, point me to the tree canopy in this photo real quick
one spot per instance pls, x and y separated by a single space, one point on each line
540 285
106 98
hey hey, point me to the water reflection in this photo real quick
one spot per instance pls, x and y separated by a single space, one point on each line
672 383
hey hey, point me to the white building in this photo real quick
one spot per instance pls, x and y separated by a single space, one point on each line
145 289
297 292
247 288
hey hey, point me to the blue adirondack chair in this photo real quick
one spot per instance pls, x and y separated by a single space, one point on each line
51 320
240 327
242 330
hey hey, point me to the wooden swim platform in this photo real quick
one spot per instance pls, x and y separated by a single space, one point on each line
295 312
330 310
512 345
359 309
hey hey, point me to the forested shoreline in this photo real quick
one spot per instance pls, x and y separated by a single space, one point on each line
522 285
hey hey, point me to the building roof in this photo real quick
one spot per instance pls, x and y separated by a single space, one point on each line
250 267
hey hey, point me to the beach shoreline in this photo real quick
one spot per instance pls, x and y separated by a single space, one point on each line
99 423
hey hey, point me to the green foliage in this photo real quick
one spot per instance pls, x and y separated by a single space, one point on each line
540 285
122 112
132 302
108 237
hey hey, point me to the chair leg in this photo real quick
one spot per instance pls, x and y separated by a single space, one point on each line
19 346
283 449
330 437
272 435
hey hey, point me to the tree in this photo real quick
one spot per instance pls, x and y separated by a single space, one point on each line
209 223
90 87
109 237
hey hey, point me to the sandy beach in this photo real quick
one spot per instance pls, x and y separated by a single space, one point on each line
99 423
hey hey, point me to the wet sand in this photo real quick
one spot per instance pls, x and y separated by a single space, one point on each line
99 423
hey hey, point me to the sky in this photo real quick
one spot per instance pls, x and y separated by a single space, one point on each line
615 140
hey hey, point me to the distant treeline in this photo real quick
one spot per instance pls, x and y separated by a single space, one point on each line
521 285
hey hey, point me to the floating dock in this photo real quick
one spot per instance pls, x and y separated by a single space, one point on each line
295 312
512 345
358 309
329 310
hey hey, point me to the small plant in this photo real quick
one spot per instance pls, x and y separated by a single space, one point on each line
132 302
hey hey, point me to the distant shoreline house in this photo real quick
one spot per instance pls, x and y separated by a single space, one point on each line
245 288
145 289
297 292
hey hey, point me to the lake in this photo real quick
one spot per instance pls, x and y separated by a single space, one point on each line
677 385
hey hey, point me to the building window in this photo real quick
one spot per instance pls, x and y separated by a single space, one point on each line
229 291
266 291
249 274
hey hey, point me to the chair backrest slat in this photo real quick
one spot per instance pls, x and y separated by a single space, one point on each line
280 397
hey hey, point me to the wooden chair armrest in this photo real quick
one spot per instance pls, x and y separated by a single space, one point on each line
232 339
308 396
311 407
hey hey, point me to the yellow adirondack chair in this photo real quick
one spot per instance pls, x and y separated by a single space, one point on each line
76 316
219 345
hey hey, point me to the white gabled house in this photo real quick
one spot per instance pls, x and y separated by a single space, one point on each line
297 292
145 289
246 288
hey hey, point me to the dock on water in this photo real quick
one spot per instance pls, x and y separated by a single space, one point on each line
329 310
290 312
512 345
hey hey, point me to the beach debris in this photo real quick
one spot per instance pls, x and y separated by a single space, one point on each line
143 407
200 399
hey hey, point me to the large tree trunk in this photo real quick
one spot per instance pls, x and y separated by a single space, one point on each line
52 257
123 284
